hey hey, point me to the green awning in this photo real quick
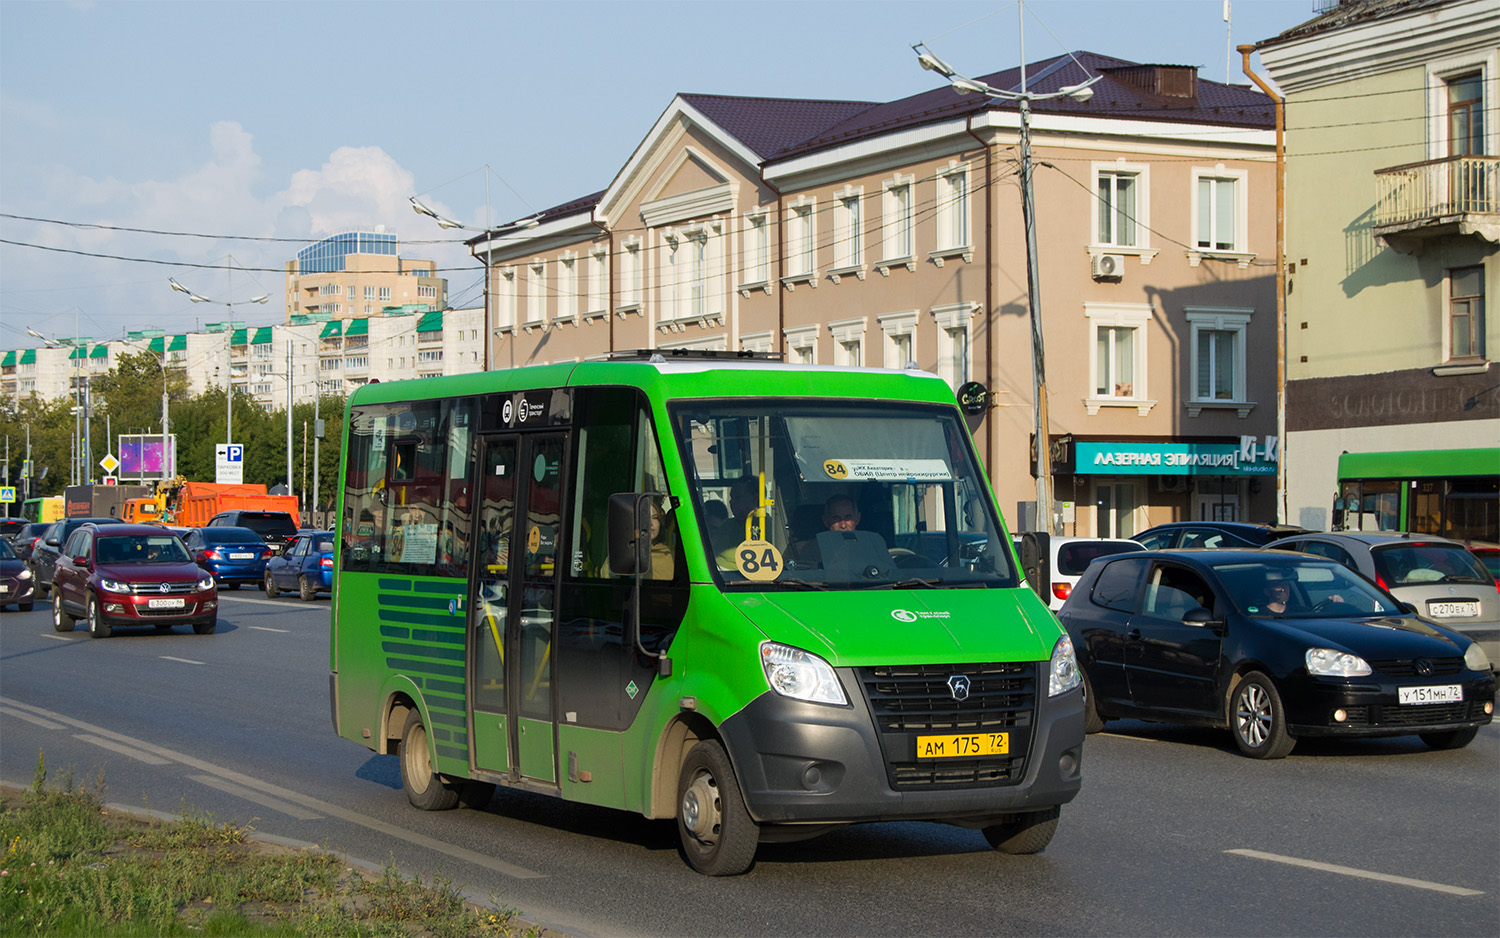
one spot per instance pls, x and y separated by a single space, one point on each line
80 351
158 345
431 322
179 344
100 351
9 360
332 329
28 356
262 336
358 327
239 337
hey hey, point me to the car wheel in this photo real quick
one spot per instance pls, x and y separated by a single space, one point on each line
206 628
1025 833
307 590
1451 739
61 621
271 591
718 835
1092 721
98 627
1257 719
425 789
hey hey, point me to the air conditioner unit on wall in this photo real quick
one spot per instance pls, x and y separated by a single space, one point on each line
1171 483
1108 266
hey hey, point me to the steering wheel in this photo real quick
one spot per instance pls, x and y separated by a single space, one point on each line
1331 604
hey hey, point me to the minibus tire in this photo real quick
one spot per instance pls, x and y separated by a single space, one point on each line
424 788
718 835
1030 832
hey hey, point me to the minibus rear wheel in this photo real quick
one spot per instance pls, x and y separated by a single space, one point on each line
424 789
718 835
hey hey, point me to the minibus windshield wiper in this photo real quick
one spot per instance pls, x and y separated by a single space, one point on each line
916 581
804 584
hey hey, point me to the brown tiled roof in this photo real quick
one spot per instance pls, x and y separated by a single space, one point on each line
1349 13
770 125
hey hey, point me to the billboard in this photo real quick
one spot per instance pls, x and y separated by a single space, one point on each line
147 456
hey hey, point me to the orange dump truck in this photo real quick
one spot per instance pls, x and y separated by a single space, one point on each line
199 501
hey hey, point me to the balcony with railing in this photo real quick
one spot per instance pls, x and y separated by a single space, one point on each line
1458 195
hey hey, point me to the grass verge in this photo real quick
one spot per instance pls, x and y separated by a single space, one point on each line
70 866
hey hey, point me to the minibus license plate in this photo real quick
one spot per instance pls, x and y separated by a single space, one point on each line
965 746
165 603
1452 610
1446 693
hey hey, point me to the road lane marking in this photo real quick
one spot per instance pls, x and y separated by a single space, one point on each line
325 808
183 660
44 724
266 628
255 796
1362 874
123 750
59 638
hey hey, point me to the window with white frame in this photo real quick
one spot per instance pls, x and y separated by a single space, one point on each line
953 207
351 291
756 341
1465 313
801 239
369 293
899 344
567 288
1220 205
849 342
848 229
899 221
757 248
630 274
505 299
385 294
1117 356
802 345
1120 203
1217 358
536 293
954 353
596 294
1465 111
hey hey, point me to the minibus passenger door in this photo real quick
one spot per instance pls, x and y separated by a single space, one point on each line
488 626
529 638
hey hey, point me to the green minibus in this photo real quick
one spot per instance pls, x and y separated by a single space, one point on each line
765 600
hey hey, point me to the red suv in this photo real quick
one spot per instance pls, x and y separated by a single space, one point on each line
130 574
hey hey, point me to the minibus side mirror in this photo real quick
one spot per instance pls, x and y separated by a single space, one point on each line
630 532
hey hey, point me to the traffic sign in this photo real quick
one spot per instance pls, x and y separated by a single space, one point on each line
110 480
109 463
7 493
229 463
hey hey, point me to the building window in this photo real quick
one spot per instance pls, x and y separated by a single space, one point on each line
848 234
802 345
432 355
1120 194
953 207
954 353
567 288
1217 358
369 294
757 248
899 221
1117 356
596 293
801 239
756 341
1466 115
848 342
536 292
385 294
900 343
505 299
1219 206
425 292
352 288
1466 313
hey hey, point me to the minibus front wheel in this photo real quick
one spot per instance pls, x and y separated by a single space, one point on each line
424 789
718 835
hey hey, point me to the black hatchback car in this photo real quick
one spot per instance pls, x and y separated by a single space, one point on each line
1213 534
43 559
276 528
1272 646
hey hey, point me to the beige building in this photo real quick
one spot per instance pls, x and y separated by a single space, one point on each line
1393 245
360 273
848 233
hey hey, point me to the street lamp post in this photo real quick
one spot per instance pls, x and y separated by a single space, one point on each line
1023 98
228 349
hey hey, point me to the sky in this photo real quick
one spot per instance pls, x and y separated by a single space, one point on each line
231 134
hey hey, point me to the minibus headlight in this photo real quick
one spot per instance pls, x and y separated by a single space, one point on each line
792 672
1475 659
1064 669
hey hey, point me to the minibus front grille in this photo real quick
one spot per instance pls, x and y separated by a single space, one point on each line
912 701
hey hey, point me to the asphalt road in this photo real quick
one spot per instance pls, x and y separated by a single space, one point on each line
1174 833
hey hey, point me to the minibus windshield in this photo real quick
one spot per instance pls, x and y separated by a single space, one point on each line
827 494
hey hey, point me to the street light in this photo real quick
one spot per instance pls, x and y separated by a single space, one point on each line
1023 98
228 347
83 437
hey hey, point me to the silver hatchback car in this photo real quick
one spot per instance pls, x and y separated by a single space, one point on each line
1437 576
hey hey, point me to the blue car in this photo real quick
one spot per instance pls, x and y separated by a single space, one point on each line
234 556
305 566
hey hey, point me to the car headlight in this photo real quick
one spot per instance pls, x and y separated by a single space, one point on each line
206 583
1064 668
25 574
792 672
1334 663
1475 659
114 586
